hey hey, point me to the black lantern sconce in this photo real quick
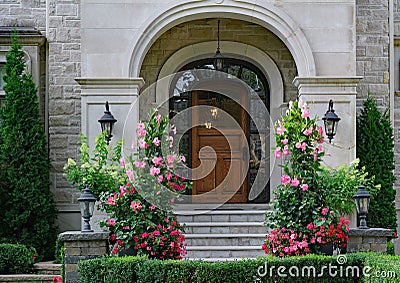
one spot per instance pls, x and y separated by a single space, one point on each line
107 122
86 206
331 121
218 61
362 198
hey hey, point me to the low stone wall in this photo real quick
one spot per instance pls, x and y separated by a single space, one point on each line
81 246
371 239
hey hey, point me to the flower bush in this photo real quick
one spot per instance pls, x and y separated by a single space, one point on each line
300 200
329 227
137 192
286 242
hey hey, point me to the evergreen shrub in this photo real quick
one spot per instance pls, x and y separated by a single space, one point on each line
375 145
28 210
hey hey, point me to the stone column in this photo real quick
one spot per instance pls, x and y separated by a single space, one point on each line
317 91
80 246
122 95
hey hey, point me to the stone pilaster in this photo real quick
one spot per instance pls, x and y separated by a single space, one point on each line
317 91
81 246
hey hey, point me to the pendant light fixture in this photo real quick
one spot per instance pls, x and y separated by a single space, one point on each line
218 58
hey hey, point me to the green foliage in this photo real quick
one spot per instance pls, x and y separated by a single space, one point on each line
59 251
16 258
343 182
100 170
299 197
28 210
375 145
134 269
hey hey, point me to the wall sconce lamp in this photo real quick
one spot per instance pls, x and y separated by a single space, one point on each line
331 121
107 122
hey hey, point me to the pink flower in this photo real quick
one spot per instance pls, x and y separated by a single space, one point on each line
284 141
280 130
183 158
152 207
130 175
304 187
111 222
156 233
320 130
141 132
168 176
154 171
136 205
277 152
298 145
174 130
122 161
140 164
308 131
144 235
295 182
158 118
173 233
156 141
315 155
324 211
285 151
171 159
142 144
310 226
303 146
112 200
157 160
160 178
171 142
285 179
305 112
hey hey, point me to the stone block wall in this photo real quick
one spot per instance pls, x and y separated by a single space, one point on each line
64 65
372 38
23 13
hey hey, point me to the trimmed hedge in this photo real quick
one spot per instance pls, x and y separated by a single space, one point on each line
15 258
140 270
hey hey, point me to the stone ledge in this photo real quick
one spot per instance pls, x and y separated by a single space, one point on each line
370 232
26 278
79 236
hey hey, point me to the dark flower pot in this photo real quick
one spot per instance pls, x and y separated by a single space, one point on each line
326 249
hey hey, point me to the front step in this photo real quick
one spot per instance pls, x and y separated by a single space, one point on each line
47 267
224 234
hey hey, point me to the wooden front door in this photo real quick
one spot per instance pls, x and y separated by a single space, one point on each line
219 148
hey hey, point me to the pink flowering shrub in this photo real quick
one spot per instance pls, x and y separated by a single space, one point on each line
285 242
140 210
301 197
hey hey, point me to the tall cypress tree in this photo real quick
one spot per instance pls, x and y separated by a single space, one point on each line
375 150
27 208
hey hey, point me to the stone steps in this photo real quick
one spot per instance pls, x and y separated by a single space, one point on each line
224 234
43 272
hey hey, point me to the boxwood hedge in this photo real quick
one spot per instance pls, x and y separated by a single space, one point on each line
358 267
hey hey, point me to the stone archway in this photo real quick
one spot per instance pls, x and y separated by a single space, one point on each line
263 14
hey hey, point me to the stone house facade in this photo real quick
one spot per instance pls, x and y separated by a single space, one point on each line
84 52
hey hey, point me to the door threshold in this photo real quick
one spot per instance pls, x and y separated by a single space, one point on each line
225 206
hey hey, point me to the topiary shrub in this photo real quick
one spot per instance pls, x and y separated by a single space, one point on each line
15 258
28 210
375 151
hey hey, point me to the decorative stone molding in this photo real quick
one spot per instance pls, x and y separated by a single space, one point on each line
121 93
262 13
